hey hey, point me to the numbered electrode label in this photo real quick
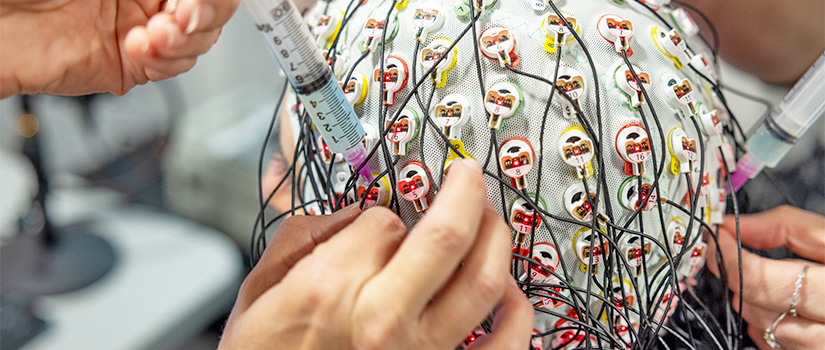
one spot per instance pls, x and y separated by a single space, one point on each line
308 73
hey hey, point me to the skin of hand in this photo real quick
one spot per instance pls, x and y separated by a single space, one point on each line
775 40
74 47
768 285
355 280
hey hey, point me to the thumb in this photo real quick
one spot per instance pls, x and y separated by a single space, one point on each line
295 238
801 231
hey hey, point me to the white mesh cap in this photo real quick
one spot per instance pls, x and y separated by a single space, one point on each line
525 24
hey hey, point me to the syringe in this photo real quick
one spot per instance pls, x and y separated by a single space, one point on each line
797 112
310 76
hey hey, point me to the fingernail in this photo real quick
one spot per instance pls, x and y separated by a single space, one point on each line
145 47
170 6
471 163
171 35
201 14
352 209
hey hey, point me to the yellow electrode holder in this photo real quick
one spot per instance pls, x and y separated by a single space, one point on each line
430 54
579 246
656 33
334 32
628 292
556 32
459 145
682 151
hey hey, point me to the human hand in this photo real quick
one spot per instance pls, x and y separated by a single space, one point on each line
768 285
372 286
74 47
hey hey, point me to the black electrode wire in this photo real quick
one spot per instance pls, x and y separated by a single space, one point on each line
720 259
284 214
598 328
476 52
312 162
582 119
422 131
694 203
333 47
780 187
607 303
315 166
374 182
731 115
714 34
326 7
494 148
613 243
300 194
709 315
275 114
384 107
383 132
610 228
579 113
545 223
677 335
574 291
257 243
299 148
540 166
687 45
657 171
669 260
394 204
260 217
738 239
311 150
603 177
355 65
768 105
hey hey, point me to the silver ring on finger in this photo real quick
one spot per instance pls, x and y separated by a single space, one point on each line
769 336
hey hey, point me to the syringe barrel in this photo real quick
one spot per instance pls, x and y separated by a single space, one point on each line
308 73
287 36
802 106
797 112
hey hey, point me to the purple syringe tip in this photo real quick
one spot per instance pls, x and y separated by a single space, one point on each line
738 179
366 173
356 157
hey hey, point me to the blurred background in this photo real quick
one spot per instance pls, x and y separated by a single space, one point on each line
125 221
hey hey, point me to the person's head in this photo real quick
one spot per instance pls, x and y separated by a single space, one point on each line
620 170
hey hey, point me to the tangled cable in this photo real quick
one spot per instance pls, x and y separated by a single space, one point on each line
637 269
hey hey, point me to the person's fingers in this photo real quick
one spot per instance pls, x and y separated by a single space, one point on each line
169 41
801 231
472 292
367 244
195 16
791 333
513 325
435 246
294 239
769 283
143 62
